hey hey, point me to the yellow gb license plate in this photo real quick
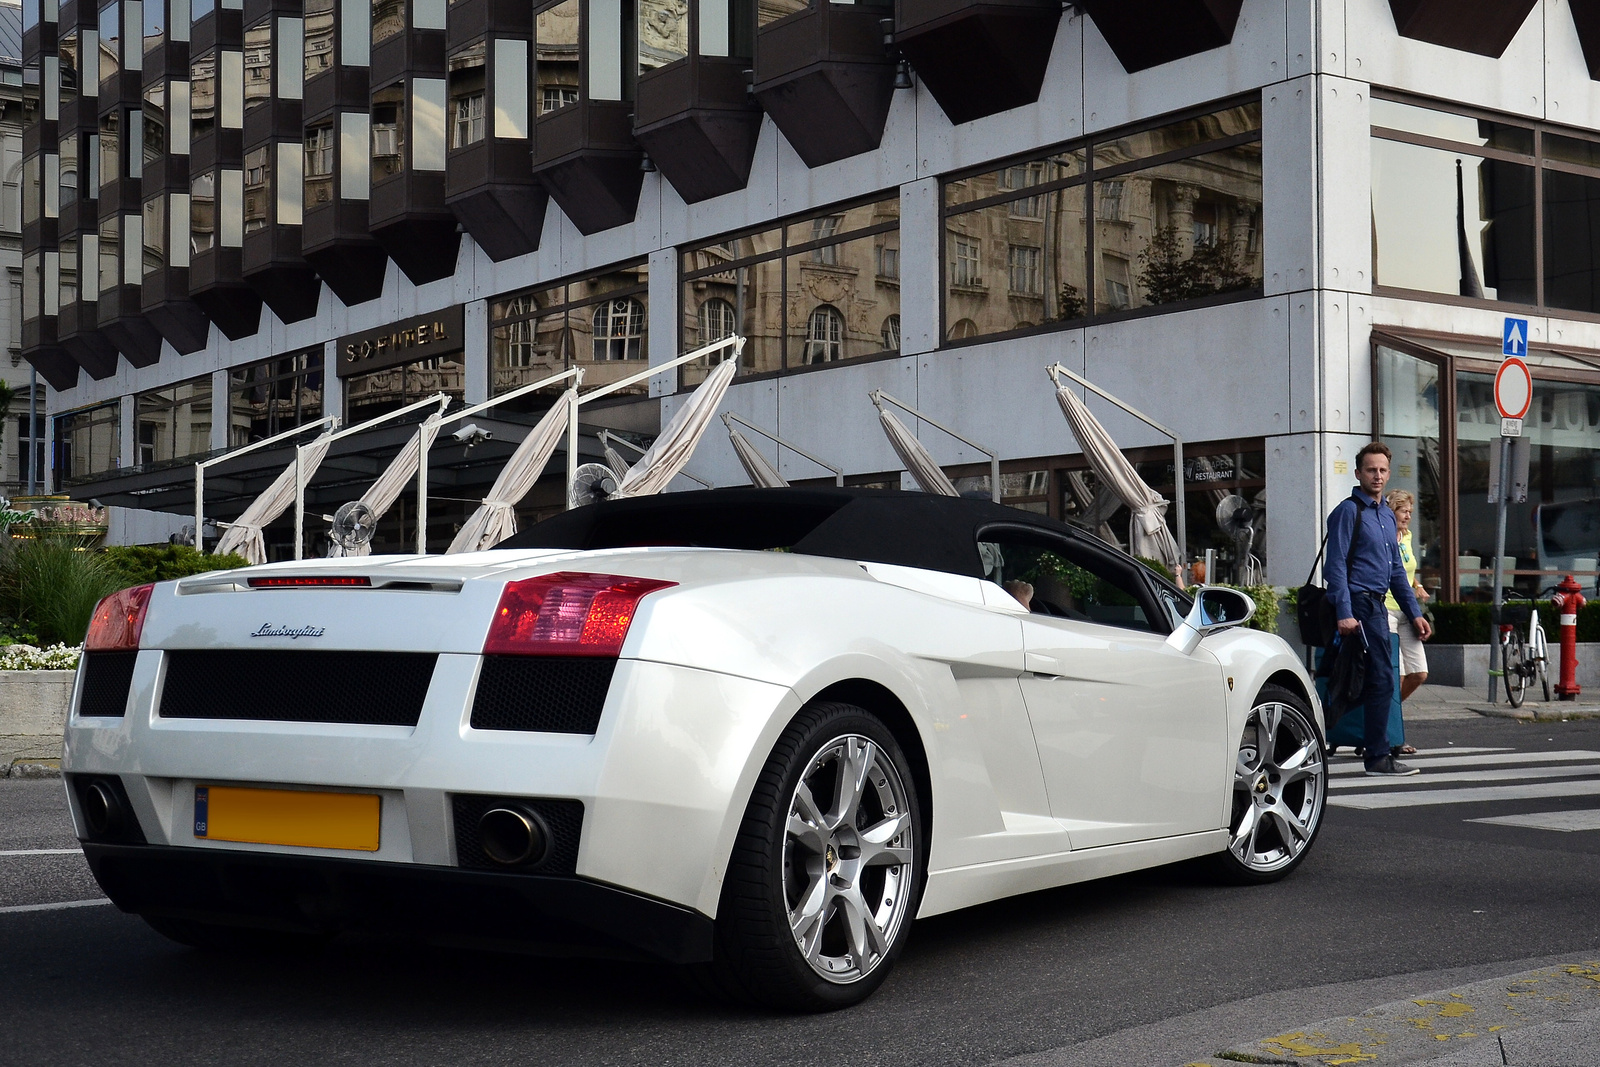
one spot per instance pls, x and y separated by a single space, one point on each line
286 817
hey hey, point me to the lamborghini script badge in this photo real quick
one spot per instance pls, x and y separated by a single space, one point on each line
269 630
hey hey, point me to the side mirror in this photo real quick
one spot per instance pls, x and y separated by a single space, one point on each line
1215 608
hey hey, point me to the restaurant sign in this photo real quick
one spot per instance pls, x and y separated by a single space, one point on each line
424 337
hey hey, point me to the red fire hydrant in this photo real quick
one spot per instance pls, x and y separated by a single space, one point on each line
1568 600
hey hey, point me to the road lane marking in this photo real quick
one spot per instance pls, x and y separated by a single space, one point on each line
1480 795
1494 774
1355 766
16 908
42 852
1565 821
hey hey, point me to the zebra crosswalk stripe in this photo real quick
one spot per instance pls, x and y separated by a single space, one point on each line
1355 767
1419 798
1491 774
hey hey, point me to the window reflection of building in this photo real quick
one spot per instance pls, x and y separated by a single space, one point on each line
774 280
388 131
467 85
319 163
257 189
598 323
717 320
372 394
87 442
173 423
268 398
663 32
319 36
1186 228
555 48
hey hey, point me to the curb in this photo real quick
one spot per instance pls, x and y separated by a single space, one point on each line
33 768
1430 1026
1554 712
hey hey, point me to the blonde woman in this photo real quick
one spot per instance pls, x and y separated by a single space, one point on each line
1413 659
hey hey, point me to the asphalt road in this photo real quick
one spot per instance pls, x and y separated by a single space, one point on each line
1151 969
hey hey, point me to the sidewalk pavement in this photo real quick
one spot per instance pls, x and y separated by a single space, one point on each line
1549 1017
1437 702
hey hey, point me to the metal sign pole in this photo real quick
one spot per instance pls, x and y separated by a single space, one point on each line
1496 668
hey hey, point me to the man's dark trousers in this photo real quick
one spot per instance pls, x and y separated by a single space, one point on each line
1378 692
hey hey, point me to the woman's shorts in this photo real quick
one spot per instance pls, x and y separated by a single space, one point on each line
1413 658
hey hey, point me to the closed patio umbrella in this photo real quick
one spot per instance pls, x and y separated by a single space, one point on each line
763 475
496 518
672 450
1147 531
382 494
922 466
244 536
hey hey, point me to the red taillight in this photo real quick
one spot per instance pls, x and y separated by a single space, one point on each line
118 620
567 614
300 581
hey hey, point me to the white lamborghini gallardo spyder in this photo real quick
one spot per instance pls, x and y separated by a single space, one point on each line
756 732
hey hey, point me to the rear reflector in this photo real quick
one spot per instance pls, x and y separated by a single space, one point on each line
118 620
567 614
300 581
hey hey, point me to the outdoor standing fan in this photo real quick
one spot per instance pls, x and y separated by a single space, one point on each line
353 525
1237 518
591 483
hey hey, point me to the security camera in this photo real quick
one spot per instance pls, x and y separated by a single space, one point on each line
472 434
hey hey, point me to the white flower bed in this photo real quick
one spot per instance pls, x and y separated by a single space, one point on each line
29 658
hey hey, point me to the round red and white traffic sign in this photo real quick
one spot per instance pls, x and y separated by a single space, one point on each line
1513 388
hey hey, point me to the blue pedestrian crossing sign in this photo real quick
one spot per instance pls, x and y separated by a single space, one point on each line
1514 337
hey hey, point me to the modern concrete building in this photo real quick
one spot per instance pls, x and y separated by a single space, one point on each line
1277 227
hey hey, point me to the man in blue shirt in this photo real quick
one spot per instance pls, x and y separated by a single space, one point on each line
1357 593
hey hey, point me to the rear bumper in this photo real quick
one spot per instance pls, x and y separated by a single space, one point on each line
484 909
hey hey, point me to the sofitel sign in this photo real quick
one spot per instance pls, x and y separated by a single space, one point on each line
424 337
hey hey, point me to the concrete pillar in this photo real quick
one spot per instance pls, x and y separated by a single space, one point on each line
921 284
332 384
477 359
662 341
127 423
220 412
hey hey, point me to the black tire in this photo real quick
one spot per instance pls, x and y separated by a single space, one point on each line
773 870
1514 666
1294 775
217 937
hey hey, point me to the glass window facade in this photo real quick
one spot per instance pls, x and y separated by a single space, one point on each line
598 323
173 423
1435 408
1462 203
1153 217
777 280
268 398
88 442
555 47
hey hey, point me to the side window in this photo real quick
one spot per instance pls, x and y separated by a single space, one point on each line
1066 579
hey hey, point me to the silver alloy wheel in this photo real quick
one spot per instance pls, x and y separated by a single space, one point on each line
1279 784
848 858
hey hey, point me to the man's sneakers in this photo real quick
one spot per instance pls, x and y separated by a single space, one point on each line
1389 767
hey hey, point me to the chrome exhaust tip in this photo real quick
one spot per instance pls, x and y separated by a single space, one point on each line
513 837
102 810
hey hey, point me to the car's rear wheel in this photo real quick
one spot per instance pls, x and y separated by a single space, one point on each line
1280 785
217 937
827 870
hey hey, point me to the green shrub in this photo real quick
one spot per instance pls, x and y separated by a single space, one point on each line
51 585
1468 624
139 564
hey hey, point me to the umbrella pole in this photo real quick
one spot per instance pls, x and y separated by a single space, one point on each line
1183 513
199 507
299 504
422 497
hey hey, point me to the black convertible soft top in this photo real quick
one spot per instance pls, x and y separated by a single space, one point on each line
873 525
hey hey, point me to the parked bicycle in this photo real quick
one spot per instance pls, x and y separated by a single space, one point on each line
1524 657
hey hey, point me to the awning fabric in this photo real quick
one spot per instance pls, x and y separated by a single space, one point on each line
671 451
496 518
928 474
1147 532
763 475
244 536
382 494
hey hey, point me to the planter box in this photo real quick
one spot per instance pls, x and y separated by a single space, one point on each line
1468 665
33 714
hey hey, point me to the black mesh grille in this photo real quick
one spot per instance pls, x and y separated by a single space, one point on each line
290 685
106 678
551 694
563 817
